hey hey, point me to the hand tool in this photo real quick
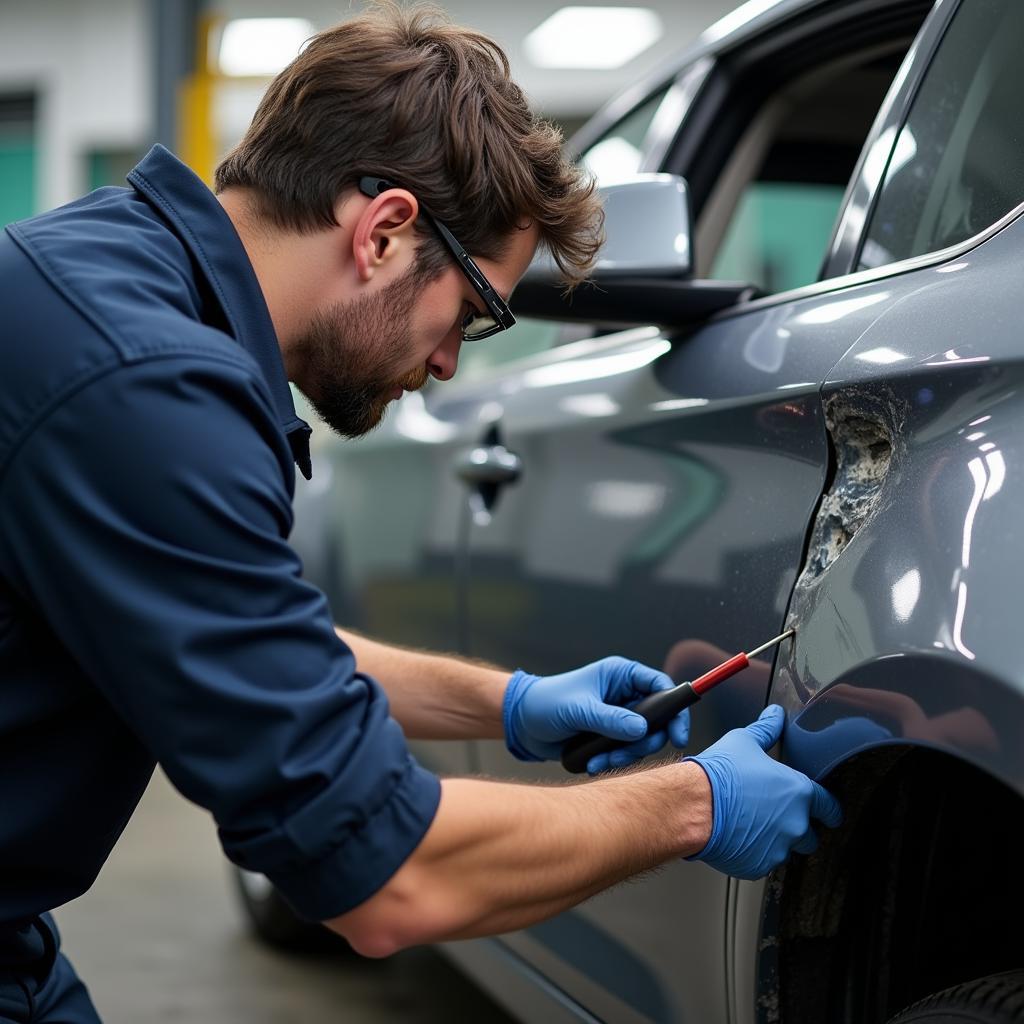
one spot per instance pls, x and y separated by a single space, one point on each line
659 708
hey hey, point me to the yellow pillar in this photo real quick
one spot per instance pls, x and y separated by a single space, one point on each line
197 136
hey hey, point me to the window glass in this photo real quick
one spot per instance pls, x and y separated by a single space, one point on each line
778 234
772 209
958 163
619 153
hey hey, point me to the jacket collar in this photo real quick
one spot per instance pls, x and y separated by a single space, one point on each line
205 228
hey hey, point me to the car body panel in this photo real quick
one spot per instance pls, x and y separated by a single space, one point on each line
893 633
520 988
667 490
391 510
921 601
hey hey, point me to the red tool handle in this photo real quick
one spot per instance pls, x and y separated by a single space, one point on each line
735 664
658 708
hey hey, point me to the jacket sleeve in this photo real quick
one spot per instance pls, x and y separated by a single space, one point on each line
146 518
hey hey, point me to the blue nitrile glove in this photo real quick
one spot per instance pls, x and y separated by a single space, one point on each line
542 712
761 809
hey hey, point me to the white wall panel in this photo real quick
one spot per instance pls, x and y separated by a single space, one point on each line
88 62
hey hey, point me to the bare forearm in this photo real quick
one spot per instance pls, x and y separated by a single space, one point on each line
434 696
501 856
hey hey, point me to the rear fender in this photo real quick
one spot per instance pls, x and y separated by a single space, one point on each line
903 687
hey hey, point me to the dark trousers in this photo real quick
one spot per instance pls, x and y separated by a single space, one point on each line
37 984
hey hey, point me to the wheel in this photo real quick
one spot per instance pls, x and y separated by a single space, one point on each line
274 922
995 999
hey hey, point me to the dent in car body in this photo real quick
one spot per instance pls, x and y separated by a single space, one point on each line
910 636
862 428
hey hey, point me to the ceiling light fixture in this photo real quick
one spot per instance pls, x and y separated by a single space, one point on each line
261 46
593 37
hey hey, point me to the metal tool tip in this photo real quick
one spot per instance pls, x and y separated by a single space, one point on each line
771 643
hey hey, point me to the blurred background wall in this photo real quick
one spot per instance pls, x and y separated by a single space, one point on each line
86 86
75 88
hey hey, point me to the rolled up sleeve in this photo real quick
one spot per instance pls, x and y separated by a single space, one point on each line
146 517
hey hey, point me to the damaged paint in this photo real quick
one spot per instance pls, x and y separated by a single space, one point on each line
862 427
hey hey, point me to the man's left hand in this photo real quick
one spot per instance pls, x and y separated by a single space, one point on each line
542 712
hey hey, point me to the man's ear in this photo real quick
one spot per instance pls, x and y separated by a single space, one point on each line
384 231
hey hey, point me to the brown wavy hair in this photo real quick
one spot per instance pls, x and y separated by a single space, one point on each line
405 94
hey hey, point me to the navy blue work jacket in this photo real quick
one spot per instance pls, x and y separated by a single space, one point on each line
151 607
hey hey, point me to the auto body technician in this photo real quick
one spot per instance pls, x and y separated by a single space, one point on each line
151 608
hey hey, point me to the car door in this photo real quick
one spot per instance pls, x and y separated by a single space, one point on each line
662 487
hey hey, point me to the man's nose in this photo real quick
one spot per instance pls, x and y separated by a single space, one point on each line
444 360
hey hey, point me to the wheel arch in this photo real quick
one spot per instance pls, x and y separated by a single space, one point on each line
919 889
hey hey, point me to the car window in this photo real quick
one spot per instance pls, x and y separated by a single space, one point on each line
778 234
958 162
771 213
619 153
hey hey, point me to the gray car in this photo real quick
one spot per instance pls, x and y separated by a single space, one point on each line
796 402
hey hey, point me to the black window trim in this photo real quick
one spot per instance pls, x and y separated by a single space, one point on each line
717 119
840 271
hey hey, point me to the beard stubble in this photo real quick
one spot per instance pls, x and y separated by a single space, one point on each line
352 354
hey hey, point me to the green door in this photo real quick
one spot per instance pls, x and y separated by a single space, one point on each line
17 157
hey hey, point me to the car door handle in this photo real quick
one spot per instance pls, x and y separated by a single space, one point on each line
488 464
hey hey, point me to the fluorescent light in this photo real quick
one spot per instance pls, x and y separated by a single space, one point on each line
836 310
574 370
590 405
905 593
678 403
625 499
592 37
261 46
882 356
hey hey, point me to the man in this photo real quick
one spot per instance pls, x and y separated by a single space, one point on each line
151 609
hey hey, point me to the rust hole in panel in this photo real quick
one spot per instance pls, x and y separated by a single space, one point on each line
861 429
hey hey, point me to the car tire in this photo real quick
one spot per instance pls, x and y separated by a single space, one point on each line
275 923
995 999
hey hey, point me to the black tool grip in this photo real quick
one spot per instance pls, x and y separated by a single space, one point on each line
658 709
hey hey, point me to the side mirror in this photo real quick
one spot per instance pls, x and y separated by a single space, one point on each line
643 272
647 228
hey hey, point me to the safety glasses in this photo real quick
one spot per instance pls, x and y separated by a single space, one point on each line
476 325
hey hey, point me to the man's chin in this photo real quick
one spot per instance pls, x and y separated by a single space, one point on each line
353 427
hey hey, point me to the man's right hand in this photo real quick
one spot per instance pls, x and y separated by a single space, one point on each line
762 809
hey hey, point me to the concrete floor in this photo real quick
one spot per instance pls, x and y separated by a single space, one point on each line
159 938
